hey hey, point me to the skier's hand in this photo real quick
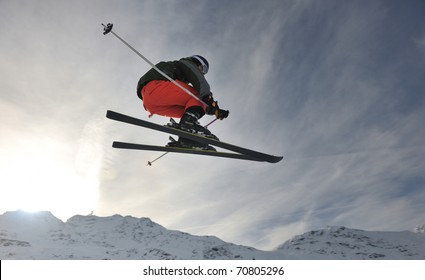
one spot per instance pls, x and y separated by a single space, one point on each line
213 109
221 114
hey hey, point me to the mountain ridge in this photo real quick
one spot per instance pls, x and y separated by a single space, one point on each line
43 236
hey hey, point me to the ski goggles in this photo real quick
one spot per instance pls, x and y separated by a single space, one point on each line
204 67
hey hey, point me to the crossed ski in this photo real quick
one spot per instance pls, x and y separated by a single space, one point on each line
239 152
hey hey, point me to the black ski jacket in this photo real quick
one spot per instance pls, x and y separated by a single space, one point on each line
184 70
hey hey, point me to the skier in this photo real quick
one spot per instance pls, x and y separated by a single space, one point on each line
162 97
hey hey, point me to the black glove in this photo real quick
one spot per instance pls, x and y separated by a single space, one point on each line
221 114
213 109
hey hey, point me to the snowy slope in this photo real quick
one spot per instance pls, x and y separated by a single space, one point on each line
344 243
43 236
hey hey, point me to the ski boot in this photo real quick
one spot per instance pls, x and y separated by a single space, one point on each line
189 122
189 144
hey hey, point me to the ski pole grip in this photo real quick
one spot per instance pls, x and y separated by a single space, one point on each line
107 28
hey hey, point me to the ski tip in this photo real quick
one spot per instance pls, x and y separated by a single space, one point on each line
276 159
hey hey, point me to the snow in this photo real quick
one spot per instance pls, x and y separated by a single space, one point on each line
344 243
42 236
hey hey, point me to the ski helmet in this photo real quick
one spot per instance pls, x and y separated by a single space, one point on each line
201 61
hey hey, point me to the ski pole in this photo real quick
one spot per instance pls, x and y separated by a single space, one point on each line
150 162
108 29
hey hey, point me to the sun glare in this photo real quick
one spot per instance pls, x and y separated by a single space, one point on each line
44 180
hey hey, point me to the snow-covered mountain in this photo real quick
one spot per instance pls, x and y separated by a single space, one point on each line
42 236
344 243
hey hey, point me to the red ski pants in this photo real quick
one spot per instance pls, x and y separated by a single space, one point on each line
166 99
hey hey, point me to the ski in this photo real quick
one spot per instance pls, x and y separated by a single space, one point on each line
237 149
132 146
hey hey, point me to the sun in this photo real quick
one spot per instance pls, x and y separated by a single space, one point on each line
36 179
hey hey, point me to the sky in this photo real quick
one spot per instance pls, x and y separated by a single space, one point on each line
336 87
